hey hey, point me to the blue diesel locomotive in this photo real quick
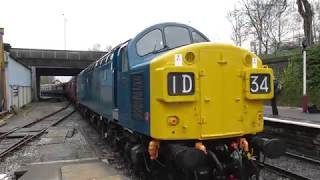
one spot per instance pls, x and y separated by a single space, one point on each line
179 105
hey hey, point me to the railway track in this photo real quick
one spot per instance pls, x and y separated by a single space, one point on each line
303 158
299 139
284 173
303 145
3 136
51 119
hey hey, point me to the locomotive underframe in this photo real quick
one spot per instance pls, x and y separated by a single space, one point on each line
224 159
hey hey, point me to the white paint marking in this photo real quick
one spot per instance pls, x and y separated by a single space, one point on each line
292 122
178 59
254 62
185 77
174 84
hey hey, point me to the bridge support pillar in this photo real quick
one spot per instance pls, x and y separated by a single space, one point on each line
34 80
38 86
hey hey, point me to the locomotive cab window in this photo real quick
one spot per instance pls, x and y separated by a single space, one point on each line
176 36
150 42
197 38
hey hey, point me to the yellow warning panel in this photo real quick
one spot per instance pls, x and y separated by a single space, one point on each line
207 91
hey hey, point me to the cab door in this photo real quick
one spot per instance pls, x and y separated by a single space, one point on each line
123 86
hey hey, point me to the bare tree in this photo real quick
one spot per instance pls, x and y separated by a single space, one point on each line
294 21
108 48
305 10
259 12
277 23
240 29
316 21
95 47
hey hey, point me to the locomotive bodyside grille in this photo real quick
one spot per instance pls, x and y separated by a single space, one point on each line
137 97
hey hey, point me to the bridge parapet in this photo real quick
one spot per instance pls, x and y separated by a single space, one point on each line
45 54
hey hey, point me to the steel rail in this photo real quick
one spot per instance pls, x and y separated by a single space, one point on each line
12 147
283 172
45 117
2 136
28 138
303 158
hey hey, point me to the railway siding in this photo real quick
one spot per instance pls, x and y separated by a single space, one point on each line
54 150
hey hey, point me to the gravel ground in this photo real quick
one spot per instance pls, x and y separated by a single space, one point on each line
35 151
86 143
266 175
33 111
102 149
30 152
300 167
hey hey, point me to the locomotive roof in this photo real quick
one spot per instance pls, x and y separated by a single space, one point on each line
133 53
163 25
160 38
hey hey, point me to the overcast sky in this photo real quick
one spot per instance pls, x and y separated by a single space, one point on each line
40 23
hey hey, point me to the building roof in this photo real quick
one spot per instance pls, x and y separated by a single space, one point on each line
7 48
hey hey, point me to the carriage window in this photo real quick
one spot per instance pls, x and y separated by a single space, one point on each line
150 42
176 36
198 38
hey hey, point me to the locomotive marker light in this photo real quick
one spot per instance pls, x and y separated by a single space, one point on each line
173 120
189 57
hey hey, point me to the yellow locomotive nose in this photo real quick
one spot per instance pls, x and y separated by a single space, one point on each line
209 87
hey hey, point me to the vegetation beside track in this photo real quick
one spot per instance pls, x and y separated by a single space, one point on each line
292 77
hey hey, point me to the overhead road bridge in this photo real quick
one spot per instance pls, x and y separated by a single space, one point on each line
45 62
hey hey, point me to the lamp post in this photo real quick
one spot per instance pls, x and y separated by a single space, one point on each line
305 98
65 31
